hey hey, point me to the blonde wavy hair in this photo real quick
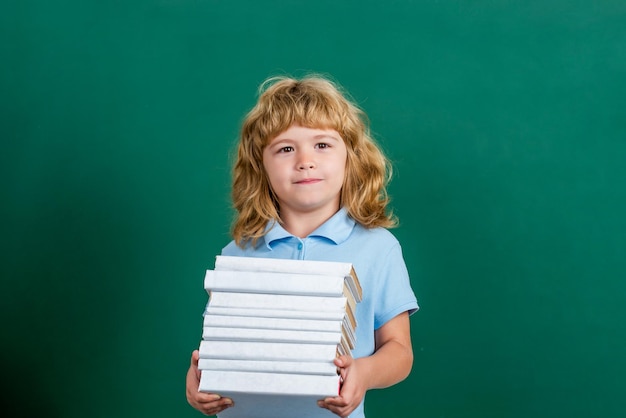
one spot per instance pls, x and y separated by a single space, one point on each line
312 102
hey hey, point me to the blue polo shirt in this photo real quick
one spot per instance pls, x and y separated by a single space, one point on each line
377 259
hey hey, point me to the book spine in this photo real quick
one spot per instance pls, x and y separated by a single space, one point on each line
280 323
275 283
327 368
275 313
276 335
270 351
271 301
332 268
269 383
282 265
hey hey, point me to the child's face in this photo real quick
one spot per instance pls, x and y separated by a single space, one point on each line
306 169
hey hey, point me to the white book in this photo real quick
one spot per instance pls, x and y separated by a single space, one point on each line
271 351
219 381
299 367
324 321
330 268
268 301
274 313
270 335
274 282
278 284
253 321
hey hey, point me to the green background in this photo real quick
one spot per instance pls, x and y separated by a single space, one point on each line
506 124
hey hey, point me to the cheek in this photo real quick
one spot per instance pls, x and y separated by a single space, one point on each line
275 175
269 167
344 163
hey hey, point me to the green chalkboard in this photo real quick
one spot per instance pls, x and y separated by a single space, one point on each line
506 124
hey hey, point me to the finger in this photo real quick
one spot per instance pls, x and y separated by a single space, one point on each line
334 402
202 397
215 398
195 356
340 411
216 406
343 361
192 380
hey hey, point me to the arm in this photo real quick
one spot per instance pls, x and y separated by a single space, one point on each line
391 363
207 403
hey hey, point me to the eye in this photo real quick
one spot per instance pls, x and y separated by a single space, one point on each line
285 149
322 145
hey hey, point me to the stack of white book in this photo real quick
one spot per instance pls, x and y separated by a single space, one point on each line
272 329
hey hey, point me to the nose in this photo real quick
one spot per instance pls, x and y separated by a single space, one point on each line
306 165
305 162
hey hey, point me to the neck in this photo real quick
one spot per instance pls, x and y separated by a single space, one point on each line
302 225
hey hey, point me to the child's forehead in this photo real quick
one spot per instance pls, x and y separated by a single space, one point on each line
308 129
312 131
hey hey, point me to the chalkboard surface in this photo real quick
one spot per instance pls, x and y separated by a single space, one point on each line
506 124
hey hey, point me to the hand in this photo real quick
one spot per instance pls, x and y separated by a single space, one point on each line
352 388
207 403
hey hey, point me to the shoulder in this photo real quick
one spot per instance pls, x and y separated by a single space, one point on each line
375 236
232 249
374 248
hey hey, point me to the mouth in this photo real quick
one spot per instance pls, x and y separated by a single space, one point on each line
308 181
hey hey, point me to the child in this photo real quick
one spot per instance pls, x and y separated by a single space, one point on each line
310 183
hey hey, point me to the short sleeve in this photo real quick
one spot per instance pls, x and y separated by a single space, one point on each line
394 294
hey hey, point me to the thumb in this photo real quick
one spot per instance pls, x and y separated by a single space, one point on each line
343 361
195 356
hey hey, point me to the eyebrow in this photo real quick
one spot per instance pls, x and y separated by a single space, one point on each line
315 137
322 136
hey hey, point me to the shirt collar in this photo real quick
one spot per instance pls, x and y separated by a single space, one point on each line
336 229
